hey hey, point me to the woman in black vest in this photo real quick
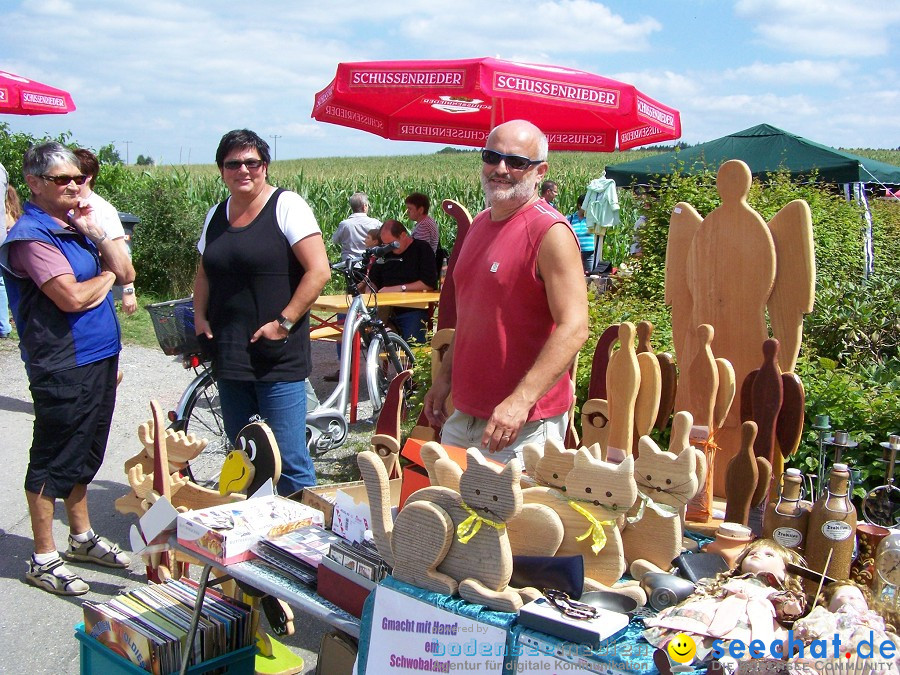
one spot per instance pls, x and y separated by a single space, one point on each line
263 264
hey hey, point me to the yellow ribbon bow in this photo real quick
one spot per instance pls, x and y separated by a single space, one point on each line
470 526
595 531
663 510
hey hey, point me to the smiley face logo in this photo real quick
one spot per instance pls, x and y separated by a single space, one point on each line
682 648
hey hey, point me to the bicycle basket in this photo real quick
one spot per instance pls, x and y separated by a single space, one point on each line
173 322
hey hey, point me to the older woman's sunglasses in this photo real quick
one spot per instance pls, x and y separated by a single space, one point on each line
65 180
516 162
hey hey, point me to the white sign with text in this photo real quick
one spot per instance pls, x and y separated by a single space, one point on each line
414 636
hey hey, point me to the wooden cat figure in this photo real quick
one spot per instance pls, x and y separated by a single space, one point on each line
550 466
596 494
666 482
449 542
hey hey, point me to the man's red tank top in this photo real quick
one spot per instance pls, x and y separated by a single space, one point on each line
503 317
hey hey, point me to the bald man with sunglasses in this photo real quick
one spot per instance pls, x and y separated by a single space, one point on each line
521 309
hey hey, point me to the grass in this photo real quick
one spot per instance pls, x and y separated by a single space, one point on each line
137 329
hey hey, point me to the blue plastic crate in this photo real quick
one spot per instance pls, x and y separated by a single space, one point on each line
96 659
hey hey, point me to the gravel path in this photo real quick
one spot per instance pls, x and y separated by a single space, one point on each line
35 626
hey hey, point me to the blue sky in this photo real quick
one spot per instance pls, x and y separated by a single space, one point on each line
172 76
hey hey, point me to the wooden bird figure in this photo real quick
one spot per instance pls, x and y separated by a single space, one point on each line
255 460
747 478
776 402
440 343
386 440
623 381
668 375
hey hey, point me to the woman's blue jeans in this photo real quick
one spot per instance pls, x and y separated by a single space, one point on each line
283 407
5 327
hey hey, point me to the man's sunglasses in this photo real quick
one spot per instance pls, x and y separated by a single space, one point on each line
65 180
516 162
571 608
235 164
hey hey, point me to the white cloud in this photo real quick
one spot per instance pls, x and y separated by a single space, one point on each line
529 29
303 130
663 85
805 72
824 27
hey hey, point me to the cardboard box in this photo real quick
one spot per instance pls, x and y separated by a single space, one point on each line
321 497
352 515
337 654
226 533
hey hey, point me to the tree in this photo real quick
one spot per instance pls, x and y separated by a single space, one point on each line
144 161
109 155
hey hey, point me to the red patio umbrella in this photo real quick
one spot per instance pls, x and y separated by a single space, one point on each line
458 102
21 96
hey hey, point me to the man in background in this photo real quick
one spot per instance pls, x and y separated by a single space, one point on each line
351 232
549 192
409 267
426 229
107 216
521 305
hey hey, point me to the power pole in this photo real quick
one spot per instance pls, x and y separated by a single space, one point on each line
127 158
275 138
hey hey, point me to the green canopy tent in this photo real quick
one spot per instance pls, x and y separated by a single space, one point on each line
767 149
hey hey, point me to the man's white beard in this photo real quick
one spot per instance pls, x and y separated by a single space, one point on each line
517 193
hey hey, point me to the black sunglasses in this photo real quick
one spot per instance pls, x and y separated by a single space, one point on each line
516 162
571 608
251 164
65 180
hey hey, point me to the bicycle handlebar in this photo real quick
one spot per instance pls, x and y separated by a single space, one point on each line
376 251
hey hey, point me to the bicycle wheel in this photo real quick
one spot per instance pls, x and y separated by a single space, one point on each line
384 363
203 418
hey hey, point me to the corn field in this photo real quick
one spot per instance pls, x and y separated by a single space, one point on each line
328 183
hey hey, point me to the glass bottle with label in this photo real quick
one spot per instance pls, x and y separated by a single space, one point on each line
832 527
787 519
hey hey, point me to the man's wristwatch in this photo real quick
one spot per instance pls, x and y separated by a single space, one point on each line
128 290
403 288
285 323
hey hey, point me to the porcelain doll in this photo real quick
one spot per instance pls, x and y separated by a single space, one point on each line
752 602
847 610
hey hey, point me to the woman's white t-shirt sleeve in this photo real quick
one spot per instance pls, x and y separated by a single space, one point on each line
295 218
293 215
201 244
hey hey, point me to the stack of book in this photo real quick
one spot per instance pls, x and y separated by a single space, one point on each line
149 625
297 553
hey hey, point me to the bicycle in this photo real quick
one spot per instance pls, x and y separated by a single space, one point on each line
199 411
